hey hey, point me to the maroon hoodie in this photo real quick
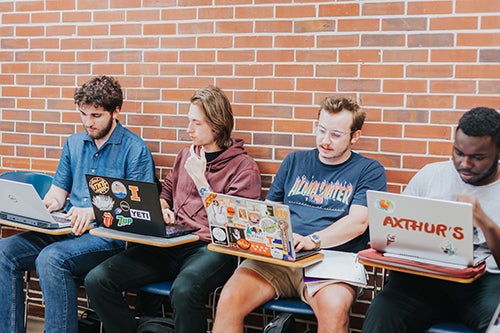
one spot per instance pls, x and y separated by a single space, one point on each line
233 172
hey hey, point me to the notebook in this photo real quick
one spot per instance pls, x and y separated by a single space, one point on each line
259 227
422 229
131 206
20 203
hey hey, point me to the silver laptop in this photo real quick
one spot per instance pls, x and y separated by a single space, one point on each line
258 227
19 202
422 229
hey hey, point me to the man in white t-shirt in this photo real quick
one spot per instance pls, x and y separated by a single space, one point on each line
411 303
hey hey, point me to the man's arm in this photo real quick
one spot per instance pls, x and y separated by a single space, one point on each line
55 199
340 232
489 228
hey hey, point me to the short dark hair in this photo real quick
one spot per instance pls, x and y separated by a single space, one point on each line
100 91
218 112
481 121
336 104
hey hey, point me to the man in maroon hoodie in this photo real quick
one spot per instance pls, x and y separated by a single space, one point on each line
194 269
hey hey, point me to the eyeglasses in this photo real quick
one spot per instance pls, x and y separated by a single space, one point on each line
334 134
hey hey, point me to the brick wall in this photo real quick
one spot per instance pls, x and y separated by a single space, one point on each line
414 65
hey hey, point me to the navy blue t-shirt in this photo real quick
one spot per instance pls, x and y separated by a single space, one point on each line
319 194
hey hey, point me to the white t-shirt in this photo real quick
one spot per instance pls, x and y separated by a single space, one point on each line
441 181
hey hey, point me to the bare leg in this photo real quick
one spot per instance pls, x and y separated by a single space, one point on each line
244 291
331 306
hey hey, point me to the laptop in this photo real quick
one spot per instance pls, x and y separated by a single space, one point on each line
494 326
425 230
20 203
131 206
253 226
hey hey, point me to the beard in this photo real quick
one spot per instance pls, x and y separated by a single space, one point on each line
479 180
96 135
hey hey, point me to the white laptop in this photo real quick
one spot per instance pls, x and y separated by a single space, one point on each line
258 227
422 229
19 202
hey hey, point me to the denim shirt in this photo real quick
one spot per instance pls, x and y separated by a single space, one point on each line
123 155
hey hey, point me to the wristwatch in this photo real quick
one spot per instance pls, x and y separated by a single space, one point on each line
316 240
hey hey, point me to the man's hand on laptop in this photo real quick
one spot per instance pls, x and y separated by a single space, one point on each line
80 219
168 216
302 242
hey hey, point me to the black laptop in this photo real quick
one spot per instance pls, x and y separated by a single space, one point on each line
131 206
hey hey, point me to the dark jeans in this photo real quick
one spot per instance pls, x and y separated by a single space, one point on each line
195 270
411 303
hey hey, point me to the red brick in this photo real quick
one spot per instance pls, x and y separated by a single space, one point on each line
431 40
334 70
489 87
403 146
382 130
430 7
339 10
477 71
427 132
358 85
235 83
253 42
359 55
382 71
334 41
453 23
429 71
314 26
490 22
294 11
294 70
478 39
404 24
430 101
406 116
383 8
452 86
272 83
358 24
477 6
468 102
273 26
405 85
405 55
294 41
292 98
458 55
383 40
418 162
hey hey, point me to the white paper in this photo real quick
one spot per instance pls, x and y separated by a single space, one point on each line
336 266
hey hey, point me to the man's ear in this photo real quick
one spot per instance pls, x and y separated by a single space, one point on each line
116 112
355 136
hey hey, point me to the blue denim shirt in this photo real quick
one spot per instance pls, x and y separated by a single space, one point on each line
124 155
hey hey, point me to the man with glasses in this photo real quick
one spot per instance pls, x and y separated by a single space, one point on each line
326 190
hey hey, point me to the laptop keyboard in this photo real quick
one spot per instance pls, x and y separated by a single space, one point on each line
60 218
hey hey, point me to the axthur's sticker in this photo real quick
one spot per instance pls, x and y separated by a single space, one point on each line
118 189
99 185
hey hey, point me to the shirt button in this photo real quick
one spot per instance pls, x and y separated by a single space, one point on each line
93 170
96 154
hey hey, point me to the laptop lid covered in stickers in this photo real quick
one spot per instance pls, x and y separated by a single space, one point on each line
130 206
422 229
247 225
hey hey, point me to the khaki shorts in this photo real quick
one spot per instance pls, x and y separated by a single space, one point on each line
286 281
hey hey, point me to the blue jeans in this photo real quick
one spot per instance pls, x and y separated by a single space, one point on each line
411 303
195 270
58 261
